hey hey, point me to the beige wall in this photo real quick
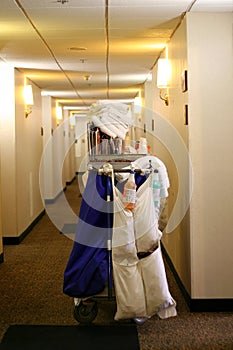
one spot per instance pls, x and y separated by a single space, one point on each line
46 175
22 146
176 242
20 156
7 137
200 246
1 243
28 151
211 143
81 146
68 164
58 151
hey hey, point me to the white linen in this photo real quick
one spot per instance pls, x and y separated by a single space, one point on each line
115 127
140 284
113 119
146 229
155 284
97 122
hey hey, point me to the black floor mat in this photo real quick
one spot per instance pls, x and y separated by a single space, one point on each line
93 337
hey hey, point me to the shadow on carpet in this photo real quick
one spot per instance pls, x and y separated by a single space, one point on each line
93 337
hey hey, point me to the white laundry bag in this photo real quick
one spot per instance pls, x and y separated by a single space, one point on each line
157 295
128 284
146 230
129 292
140 285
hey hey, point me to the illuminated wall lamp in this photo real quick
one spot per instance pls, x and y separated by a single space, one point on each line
72 120
59 114
137 106
163 78
28 99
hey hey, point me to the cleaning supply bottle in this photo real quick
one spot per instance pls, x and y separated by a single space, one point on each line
156 188
129 194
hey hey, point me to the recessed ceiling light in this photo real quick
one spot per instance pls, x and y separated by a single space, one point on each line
87 77
74 48
62 1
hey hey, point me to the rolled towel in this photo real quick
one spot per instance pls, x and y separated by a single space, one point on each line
124 117
121 107
103 127
115 126
114 118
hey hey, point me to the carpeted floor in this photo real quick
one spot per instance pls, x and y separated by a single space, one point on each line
31 279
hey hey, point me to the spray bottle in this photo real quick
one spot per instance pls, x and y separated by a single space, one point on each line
156 188
129 194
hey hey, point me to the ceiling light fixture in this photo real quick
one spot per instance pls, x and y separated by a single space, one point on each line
74 48
87 77
82 60
62 1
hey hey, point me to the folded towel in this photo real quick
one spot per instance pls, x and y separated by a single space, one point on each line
121 107
114 127
112 118
98 123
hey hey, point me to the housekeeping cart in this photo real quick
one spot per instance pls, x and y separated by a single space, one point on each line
115 246
88 275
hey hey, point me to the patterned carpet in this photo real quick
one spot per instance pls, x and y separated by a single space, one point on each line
31 293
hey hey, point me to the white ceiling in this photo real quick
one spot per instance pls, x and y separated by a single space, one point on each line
85 50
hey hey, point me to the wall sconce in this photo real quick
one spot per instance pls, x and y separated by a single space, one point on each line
28 99
72 120
137 105
59 114
163 78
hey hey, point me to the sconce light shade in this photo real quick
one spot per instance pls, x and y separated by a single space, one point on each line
28 99
28 95
59 113
137 106
163 78
72 120
164 73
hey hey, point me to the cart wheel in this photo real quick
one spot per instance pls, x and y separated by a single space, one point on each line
86 311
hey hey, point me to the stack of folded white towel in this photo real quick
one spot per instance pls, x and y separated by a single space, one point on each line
112 118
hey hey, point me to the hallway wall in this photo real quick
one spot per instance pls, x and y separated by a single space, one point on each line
21 148
22 143
200 246
7 139
1 112
69 161
81 146
174 131
28 151
210 58
57 163
1 242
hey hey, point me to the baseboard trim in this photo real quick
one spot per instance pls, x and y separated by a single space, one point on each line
68 183
17 240
211 305
1 258
177 277
53 200
199 305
